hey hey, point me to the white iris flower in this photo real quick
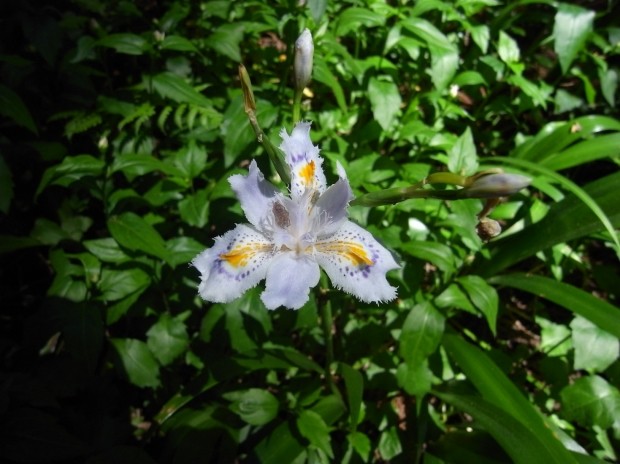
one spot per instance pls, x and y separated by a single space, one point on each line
289 238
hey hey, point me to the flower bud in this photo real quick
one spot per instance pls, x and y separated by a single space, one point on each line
488 228
496 185
304 49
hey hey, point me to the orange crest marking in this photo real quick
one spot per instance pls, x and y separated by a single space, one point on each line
307 173
351 251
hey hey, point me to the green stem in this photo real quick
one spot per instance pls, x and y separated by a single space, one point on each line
297 106
327 321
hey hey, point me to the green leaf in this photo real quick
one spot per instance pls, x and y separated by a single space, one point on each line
138 362
523 445
361 444
421 333
106 249
498 390
439 254
134 233
191 159
462 158
167 338
591 401
415 379
321 73
354 383
385 101
174 87
281 445
71 169
586 151
508 49
194 208
183 249
138 165
254 406
312 427
483 296
116 285
571 29
129 44
178 43
595 349
12 106
596 310
353 18
389 444
576 216
444 54
226 39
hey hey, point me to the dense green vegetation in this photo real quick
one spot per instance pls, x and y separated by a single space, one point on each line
121 123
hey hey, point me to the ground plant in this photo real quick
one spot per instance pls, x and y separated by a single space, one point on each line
437 277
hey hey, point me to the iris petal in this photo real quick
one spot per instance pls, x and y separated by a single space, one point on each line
356 263
254 193
235 263
303 159
289 280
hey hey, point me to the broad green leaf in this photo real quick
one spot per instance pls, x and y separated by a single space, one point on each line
353 18
591 401
226 39
191 159
354 383
106 249
554 338
361 444
415 379
12 106
571 29
312 427
6 186
596 310
521 443
116 285
595 349
281 445
575 216
483 296
130 44
421 333
462 158
172 86
179 43
444 54
71 169
498 390
255 406
183 249
508 49
134 233
390 445
385 101
138 165
194 208
137 361
167 338
439 254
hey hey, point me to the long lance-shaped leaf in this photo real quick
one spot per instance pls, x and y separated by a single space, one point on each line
597 311
522 444
496 388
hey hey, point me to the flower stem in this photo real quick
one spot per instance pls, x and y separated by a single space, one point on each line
297 106
327 320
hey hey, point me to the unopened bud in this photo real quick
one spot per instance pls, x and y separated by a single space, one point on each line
304 50
496 185
488 228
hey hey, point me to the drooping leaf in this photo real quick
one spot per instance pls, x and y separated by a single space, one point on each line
595 349
312 427
134 233
385 101
591 401
354 383
167 338
130 44
421 333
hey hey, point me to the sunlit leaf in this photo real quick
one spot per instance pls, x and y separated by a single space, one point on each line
137 361
591 401
572 26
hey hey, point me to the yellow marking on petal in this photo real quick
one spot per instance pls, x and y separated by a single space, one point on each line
307 173
239 256
352 251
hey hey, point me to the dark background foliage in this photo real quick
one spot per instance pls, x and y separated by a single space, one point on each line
120 125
